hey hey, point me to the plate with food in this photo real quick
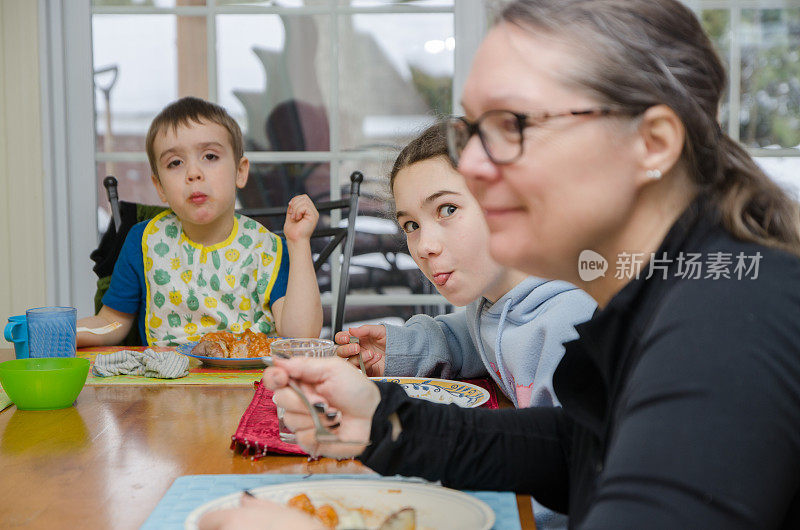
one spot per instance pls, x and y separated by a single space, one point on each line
223 349
464 395
373 504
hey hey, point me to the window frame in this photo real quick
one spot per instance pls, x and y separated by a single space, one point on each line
70 115
68 121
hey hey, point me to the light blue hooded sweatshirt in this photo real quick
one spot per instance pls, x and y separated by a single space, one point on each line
517 341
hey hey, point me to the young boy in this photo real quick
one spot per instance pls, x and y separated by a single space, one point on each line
199 267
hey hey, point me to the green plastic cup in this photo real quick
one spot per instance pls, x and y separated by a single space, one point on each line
44 384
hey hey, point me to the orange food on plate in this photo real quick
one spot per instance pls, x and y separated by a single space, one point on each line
325 513
301 502
224 344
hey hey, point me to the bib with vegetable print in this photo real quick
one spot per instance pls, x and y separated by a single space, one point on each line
193 290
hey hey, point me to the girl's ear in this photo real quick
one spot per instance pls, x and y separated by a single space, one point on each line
661 138
159 188
242 172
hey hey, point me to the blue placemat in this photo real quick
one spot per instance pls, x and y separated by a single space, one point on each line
191 491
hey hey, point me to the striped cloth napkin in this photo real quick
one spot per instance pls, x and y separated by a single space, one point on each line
149 363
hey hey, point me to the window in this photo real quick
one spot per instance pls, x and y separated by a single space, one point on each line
759 40
320 88
360 75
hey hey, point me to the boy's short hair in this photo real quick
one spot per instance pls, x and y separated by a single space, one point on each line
191 109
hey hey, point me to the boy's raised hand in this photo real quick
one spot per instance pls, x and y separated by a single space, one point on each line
371 343
301 218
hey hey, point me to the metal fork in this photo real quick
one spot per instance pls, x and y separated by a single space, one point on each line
321 433
354 340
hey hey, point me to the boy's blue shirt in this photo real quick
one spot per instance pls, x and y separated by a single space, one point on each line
127 291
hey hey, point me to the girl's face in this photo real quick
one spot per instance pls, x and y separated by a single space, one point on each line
445 231
573 188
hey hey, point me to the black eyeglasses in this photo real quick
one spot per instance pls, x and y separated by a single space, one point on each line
500 131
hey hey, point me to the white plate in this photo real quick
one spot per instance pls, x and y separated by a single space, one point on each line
436 507
464 395
222 362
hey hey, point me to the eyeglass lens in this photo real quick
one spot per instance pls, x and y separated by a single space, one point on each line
499 132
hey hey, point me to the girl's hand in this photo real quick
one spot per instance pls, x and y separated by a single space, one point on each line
371 343
258 514
301 219
338 388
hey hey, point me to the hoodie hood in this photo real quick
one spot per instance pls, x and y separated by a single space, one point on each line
519 337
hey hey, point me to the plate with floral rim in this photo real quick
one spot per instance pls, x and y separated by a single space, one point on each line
445 391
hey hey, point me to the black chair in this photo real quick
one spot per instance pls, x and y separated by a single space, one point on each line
125 215
337 235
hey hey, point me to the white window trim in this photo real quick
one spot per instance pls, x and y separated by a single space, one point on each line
68 145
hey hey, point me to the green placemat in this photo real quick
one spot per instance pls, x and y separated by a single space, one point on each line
5 401
197 374
194 378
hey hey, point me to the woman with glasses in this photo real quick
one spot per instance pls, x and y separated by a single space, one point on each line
591 143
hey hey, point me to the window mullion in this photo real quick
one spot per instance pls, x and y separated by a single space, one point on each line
469 27
333 134
211 51
735 72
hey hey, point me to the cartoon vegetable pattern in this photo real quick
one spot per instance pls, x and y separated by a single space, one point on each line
174 319
161 249
228 299
245 241
159 299
192 302
203 294
161 277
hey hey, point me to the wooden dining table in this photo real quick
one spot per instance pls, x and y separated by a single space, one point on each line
107 461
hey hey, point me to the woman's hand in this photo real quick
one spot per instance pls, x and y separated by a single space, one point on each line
371 343
301 219
349 399
259 514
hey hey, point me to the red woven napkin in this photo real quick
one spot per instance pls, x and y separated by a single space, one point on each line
257 433
489 386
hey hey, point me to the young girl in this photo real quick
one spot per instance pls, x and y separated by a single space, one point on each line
513 325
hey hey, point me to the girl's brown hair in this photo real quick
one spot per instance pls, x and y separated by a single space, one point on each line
431 143
634 54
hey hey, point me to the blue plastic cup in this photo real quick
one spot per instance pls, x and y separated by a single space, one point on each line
17 332
51 331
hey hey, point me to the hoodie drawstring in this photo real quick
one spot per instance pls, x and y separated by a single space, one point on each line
510 391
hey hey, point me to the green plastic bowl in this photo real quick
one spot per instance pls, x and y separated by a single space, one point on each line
44 384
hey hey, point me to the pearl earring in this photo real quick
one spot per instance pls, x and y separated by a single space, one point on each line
654 174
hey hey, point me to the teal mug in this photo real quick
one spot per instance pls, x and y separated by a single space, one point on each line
17 332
